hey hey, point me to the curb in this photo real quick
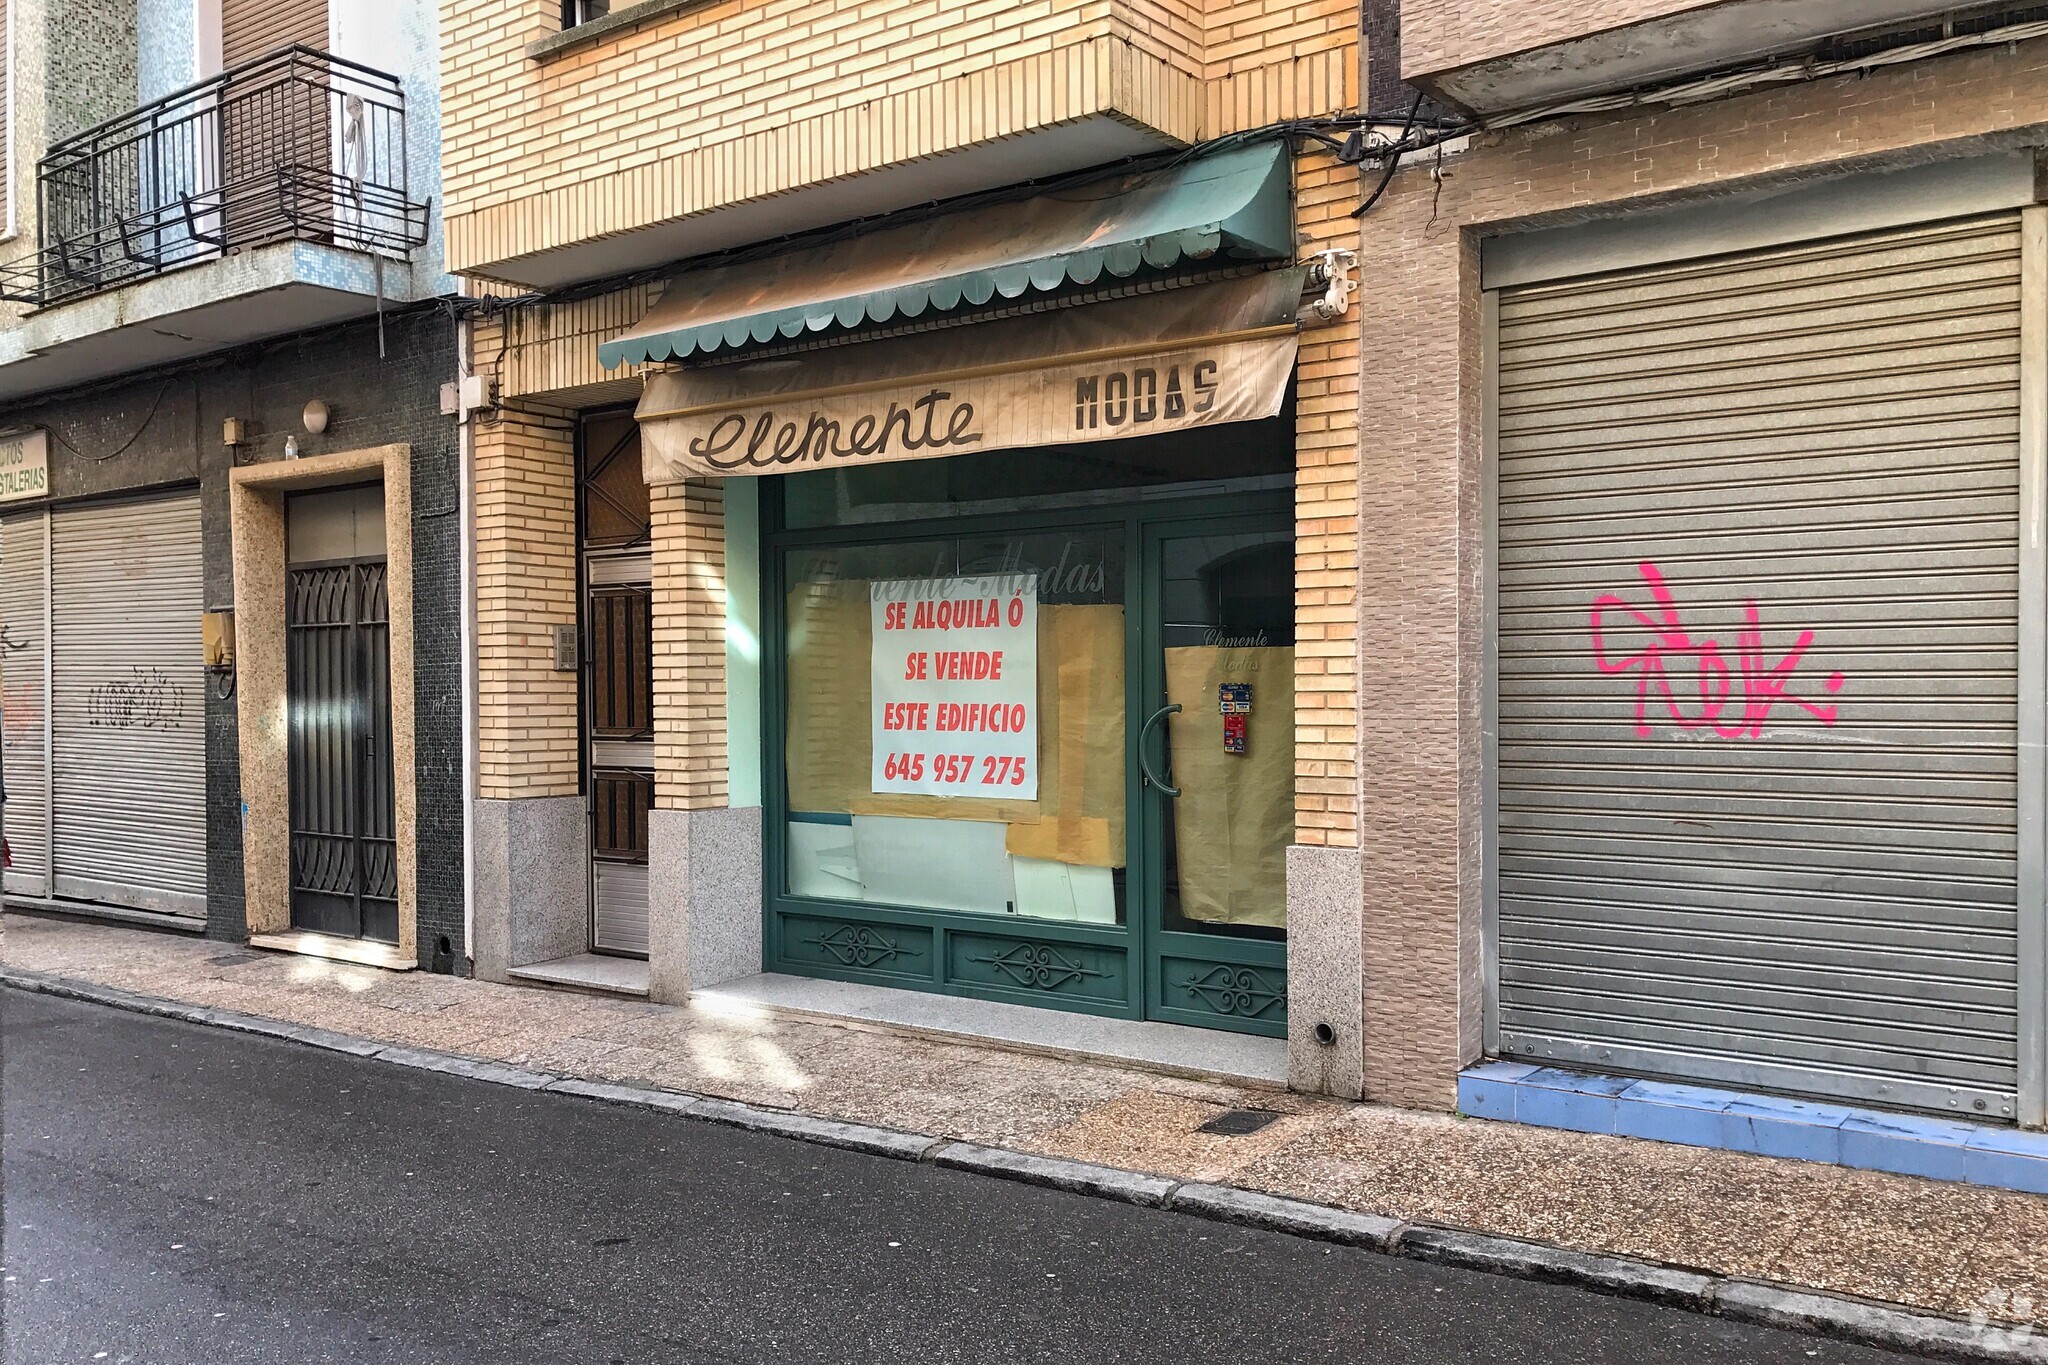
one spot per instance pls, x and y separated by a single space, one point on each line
1749 1301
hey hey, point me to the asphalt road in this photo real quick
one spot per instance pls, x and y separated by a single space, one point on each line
180 1196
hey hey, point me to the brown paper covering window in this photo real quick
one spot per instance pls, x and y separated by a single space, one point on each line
1235 815
1079 815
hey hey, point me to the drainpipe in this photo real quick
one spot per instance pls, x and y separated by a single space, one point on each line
466 520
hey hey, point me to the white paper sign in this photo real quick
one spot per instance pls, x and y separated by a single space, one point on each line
955 686
24 465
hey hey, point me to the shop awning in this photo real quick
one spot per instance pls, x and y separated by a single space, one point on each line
1150 365
1229 206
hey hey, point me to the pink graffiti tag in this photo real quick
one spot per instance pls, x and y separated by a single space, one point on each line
1763 684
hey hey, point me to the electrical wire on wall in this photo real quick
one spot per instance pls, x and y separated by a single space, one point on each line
122 449
239 357
1894 49
1392 156
1780 71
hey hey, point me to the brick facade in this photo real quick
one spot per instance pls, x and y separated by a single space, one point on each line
1420 594
571 146
721 104
524 489
689 644
1326 536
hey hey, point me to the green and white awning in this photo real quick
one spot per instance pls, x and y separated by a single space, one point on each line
1225 208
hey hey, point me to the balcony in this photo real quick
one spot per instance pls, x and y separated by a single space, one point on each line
1494 57
274 197
295 145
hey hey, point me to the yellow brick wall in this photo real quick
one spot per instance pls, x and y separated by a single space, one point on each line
1326 534
704 74
689 644
722 104
525 494
550 350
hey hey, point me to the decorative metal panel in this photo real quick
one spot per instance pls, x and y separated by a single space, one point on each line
1758 615
856 948
1045 967
1245 996
128 711
619 802
619 894
613 499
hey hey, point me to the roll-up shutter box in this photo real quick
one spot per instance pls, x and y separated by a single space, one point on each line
1761 828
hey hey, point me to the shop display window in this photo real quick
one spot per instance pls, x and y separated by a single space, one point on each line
953 811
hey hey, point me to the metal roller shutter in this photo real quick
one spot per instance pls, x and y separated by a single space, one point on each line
250 28
1796 869
619 924
24 684
129 719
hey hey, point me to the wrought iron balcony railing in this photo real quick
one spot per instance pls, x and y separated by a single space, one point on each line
293 145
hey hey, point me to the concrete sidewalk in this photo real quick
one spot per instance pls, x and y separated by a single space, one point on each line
1954 1249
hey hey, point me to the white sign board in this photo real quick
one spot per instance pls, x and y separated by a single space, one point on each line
955 686
24 465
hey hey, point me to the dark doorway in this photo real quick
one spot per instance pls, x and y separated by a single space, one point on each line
338 702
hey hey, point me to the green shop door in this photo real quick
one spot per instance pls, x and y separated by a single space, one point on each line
1043 757
1216 763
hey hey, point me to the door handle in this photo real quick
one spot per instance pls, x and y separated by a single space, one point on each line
1144 760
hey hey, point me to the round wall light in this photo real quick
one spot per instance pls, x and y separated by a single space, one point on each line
315 417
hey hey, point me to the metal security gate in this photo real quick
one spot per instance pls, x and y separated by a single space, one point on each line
1757 669
24 696
128 708
620 620
338 700
614 533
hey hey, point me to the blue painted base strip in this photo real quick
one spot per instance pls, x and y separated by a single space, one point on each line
1731 1120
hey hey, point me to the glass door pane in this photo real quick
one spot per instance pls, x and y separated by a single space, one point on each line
1218 747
